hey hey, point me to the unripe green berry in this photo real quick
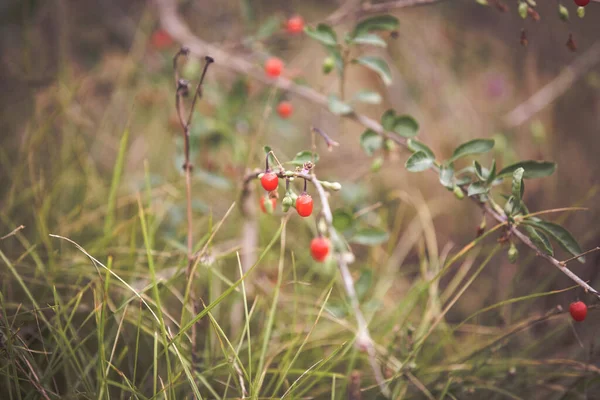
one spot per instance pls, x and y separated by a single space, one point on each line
563 13
328 65
523 9
458 193
286 203
581 12
513 253
336 186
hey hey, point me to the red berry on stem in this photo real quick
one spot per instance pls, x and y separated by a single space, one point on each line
269 181
582 3
319 248
304 205
160 40
263 204
295 24
273 67
578 310
284 109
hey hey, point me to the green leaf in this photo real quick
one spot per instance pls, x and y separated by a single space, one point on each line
370 141
304 157
369 39
367 96
476 146
322 33
492 173
406 126
376 64
518 188
476 188
540 240
414 146
512 206
363 283
388 120
342 220
419 161
558 233
533 169
478 170
370 237
447 176
338 107
376 23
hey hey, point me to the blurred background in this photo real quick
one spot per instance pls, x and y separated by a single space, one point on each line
76 75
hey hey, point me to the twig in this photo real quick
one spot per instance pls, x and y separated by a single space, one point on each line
13 232
554 89
181 92
354 7
565 262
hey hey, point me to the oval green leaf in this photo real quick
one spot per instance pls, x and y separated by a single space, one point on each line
369 39
322 33
540 240
414 146
304 157
338 107
370 141
476 146
558 233
377 65
406 126
419 161
370 237
367 96
376 23
533 169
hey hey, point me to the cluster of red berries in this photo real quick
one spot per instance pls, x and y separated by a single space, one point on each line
274 65
304 202
578 311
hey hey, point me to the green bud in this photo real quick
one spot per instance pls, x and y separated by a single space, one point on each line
336 186
286 203
289 173
458 193
328 65
389 145
513 253
377 164
269 206
563 12
581 12
523 9
482 2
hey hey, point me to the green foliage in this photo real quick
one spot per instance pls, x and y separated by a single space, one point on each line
419 161
323 33
338 107
475 146
377 65
370 141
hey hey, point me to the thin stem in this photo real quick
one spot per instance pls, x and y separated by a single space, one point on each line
579 255
198 91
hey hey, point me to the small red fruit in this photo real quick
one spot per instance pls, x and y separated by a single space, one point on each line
263 206
304 205
161 40
269 181
319 248
284 109
273 67
296 24
578 311
580 3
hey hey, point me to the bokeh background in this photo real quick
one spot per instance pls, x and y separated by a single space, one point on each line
74 75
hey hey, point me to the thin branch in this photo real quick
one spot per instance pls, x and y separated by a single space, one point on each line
554 89
13 232
353 7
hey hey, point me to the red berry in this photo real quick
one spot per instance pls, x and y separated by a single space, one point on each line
284 109
580 3
319 248
273 67
269 181
578 311
295 24
304 205
160 40
263 207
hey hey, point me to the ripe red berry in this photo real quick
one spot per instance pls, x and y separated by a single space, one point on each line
263 204
269 181
319 248
284 109
578 311
582 3
304 205
160 40
273 67
295 24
